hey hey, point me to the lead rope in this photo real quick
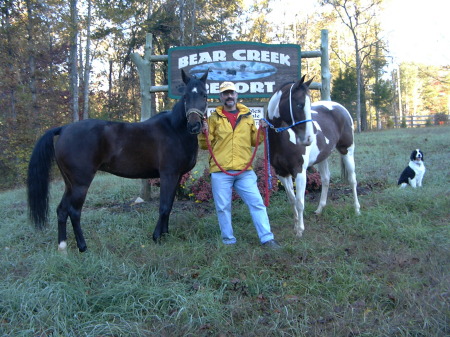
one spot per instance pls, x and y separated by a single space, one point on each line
220 167
267 173
266 190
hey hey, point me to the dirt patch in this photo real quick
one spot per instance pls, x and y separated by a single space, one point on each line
200 209
336 192
206 208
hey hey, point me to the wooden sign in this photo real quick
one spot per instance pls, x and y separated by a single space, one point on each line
256 69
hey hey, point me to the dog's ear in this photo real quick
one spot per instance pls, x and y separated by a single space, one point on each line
413 155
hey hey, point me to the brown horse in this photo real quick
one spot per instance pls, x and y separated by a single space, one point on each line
301 135
164 146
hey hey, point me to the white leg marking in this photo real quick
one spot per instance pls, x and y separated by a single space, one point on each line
349 163
289 187
300 185
62 247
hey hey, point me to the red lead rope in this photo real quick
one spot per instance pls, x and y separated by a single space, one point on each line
266 172
266 199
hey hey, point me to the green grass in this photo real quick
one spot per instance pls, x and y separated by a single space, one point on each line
383 273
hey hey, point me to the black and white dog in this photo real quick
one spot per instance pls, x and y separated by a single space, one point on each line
414 172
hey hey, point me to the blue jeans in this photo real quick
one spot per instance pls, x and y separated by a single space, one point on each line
246 186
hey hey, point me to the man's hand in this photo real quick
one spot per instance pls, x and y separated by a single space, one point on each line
262 123
204 126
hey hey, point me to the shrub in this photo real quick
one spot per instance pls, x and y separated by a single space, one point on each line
269 182
313 181
389 123
199 189
440 118
403 124
183 190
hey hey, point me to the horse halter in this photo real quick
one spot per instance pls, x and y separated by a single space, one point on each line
200 113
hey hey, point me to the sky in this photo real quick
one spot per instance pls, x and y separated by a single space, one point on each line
416 30
419 30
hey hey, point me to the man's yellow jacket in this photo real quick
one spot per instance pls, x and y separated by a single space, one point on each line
231 148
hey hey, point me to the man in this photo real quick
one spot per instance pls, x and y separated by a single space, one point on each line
232 134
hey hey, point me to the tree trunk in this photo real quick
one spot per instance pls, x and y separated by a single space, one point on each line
73 59
182 26
31 62
87 67
358 85
110 69
10 75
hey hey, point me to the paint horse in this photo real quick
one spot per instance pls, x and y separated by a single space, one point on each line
164 146
303 134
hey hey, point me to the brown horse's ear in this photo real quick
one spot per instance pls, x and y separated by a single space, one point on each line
184 76
309 82
205 76
302 80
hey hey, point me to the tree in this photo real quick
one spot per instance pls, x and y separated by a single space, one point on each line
260 28
382 90
410 84
358 17
87 65
382 96
344 90
73 59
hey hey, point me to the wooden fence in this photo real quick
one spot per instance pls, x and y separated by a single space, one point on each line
418 121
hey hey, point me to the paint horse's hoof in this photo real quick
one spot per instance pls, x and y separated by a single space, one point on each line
299 233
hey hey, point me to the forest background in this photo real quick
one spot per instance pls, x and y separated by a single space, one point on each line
61 61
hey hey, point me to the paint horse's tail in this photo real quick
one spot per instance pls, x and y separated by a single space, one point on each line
344 172
39 177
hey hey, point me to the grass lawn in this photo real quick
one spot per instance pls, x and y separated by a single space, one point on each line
383 273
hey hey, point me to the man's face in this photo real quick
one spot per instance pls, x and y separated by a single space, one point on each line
229 98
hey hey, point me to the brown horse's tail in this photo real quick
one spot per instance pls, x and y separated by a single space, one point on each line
39 177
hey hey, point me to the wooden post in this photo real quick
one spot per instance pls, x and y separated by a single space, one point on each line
143 65
144 68
325 91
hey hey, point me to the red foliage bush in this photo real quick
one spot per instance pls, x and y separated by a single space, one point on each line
200 189
313 181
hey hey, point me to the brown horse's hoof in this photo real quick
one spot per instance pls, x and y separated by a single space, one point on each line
159 238
156 239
